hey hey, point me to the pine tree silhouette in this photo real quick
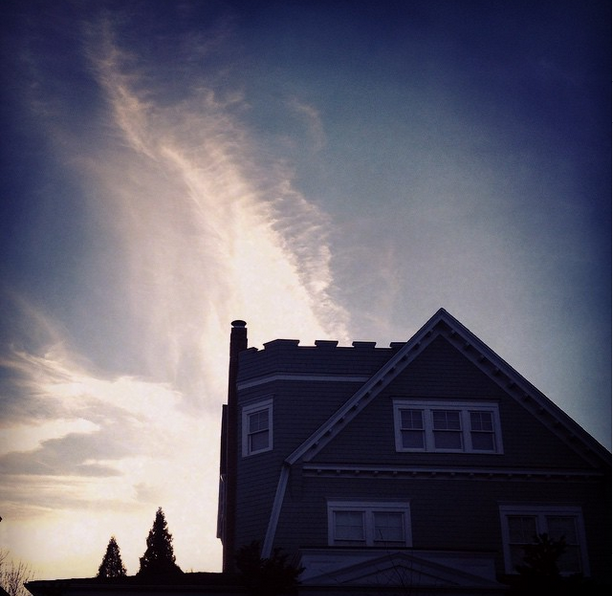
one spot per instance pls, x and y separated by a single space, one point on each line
159 558
112 565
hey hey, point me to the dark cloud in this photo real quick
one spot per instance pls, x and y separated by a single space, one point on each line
71 455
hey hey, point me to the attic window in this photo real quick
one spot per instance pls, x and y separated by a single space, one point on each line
444 427
257 428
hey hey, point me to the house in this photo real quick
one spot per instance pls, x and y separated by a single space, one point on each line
429 464
421 468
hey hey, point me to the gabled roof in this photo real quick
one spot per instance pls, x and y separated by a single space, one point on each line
484 358
442 323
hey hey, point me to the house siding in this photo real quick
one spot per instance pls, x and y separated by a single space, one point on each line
445 514
454 498
526 441
299 407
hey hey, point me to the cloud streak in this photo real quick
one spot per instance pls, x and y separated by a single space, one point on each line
203 227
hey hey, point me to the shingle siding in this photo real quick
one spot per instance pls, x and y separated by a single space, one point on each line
445 514
455 503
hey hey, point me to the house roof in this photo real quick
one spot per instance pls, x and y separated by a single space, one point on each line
503 374
483 357
188 583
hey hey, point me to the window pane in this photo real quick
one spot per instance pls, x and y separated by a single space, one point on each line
413 439
447 440
570 560
258 421
481 421
445 420
559 526
349 525
258 441
389 526
522 529
517 555
412 419
482 441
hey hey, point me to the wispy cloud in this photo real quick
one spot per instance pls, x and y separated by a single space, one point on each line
313 121
212 227
203 227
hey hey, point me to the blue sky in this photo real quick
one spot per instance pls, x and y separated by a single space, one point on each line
323 170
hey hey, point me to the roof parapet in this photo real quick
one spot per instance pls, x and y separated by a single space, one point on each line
326 343
361 345
281 342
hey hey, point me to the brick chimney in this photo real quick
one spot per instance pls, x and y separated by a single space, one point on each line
238 343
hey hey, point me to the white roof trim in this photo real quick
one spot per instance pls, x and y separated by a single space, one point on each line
301 377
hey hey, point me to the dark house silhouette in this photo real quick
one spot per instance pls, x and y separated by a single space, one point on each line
428 463
421 468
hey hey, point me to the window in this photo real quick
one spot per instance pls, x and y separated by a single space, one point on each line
439 426
368 524
522 524
257 428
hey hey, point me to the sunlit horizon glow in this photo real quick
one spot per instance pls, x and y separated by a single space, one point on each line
190 172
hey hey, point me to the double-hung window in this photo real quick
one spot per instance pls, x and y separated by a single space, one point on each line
368 524
257 427
522 525
434 425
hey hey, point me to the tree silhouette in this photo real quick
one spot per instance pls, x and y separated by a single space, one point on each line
541 558
159 558
539 572
271 576
13 575
112 565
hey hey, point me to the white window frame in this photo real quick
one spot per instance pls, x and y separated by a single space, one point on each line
465 408
368 509
541 512
248 411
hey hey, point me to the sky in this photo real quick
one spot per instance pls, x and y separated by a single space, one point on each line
322 170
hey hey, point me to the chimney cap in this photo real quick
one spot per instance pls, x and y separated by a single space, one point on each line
239 323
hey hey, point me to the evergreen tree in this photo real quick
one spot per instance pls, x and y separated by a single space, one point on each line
112 565
159 558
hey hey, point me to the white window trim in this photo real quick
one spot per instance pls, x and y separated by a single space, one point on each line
368 508
464 407
246 412
541 512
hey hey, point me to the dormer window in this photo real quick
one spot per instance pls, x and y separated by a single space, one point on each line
442 426
257 428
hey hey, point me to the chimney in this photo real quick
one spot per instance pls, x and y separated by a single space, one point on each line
238 343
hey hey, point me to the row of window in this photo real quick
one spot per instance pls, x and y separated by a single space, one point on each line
430 425
424 425
389 525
